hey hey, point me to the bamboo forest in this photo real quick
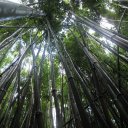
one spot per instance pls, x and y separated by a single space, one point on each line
63 63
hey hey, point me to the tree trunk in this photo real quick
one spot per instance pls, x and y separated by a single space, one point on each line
54 93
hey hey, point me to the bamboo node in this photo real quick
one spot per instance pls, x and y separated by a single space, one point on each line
3 90
120 94
53 90
38 113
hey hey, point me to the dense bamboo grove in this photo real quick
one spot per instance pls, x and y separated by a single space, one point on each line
64 63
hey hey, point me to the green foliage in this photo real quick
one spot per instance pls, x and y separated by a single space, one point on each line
57 14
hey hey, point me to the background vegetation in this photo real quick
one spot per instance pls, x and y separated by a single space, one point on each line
67 68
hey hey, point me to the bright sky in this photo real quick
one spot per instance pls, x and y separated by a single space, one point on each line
16 1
